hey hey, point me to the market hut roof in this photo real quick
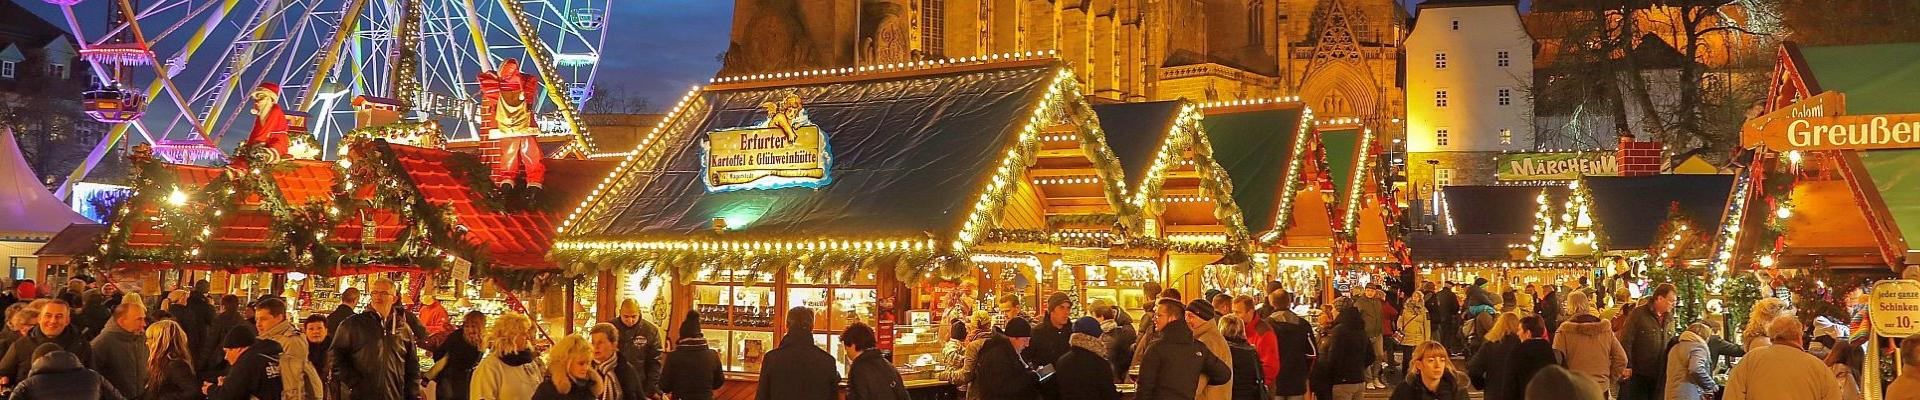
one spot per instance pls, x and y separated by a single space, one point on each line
1263 147
1137 131
1493 210
922 161
1629 210
1878 79
1171 172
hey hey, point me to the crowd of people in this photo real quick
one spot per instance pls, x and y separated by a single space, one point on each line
1453 339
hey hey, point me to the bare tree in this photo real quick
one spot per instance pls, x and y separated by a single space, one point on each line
45 114
616 98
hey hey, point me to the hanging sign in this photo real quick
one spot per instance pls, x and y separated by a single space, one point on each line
1841 132
1895 308
1825 104
1555 166
786 150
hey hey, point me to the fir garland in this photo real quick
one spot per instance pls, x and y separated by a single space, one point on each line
1739 294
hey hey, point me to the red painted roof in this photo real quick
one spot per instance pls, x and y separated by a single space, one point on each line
511 239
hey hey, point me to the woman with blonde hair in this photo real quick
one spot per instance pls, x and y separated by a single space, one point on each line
510 371
570 374
1501 340
1754 334
20 319
1432 376
170 373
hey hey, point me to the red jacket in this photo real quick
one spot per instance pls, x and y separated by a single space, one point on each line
1265 342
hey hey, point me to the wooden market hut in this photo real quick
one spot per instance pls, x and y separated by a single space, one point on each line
1626 222
1366 216
1185 199
1271 151
1483 232
929 173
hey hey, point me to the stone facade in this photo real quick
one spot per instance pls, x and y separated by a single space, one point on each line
1338 55
1456 168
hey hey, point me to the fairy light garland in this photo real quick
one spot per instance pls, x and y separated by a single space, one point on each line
646 147
1282 219
891 67
1189 134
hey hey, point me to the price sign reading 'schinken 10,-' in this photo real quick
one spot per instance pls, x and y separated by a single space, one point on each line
786 150
1895 309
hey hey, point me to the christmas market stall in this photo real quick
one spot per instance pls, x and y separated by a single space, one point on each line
1484 232
1639 230
1368 241
882 195
1190 220
1271 150
1827 198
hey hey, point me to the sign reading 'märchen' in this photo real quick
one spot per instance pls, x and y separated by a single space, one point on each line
1895 308
1555 166
786 150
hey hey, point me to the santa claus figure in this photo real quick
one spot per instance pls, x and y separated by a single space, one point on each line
507 117
269 122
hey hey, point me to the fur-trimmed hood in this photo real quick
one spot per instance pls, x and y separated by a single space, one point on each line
1088 343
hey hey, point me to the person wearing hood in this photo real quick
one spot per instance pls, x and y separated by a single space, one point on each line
1589 345
1176 366
1558 383
1341 373
58 375
639 353
1249 373
1200 316
1690 366
1083 373
55 326
692 369
254 371
870 375
1117 337
797 369
1050 338
511 371
301 381
1294 336
998 372
121 350
458 356
1432 376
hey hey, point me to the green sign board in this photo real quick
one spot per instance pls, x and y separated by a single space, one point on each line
1555 166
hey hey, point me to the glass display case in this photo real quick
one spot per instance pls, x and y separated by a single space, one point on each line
1119 283
916 345
737 310
836 301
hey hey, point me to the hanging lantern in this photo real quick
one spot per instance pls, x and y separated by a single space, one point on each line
113 104
588 18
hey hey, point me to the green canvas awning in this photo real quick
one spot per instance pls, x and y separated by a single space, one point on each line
1878 79
1254 147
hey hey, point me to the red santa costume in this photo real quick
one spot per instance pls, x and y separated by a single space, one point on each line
270 121
508 120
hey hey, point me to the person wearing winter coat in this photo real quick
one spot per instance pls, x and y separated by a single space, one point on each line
1558 383
640 354
1249 382
1175 366
121 350
170 373
458 356
1083 373
954 351
228 317
1907 385
1445 315
692 370
870 376
54 327
1200 319
1117 337
93 316
1295 338
1782 370
511 369
1432 376
1690 366
797 369
301 379
1414 325
1341 372
59 376
1648 329
349 298
571 375
197 315
1550 308
1259 334
1050 337
962 376
1754 334
998 372
1488 369
254 370
1589 345
314 329
605 340
373 353
1477 294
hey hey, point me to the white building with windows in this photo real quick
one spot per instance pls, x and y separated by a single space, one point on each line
1469 64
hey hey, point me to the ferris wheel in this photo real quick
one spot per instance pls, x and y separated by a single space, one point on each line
177 73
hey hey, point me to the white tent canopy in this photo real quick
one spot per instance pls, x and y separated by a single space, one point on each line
27 209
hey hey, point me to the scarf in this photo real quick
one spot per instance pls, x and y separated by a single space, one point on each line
517 358
608 378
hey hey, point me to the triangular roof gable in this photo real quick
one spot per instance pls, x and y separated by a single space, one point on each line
1181 152
27 209
1262 146
911 151
1629 210
1365 217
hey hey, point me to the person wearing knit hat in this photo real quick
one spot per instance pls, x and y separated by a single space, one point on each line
1083 372
254 370
1050 337
1200 320
692 369
1019 329
1202 309
998 371
58 374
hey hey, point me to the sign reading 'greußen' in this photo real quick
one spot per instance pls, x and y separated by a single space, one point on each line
1843 132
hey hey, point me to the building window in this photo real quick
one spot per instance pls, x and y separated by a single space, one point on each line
933 23
1502 58
1440 98
1506 136
1443 176
1440 60
1456 24
60 70
1440 136
6 69
1505 96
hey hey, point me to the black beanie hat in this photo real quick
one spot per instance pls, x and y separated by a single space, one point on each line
237 338
1202 309
690 327
1018 327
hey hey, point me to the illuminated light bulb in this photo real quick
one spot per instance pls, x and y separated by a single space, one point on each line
1783 212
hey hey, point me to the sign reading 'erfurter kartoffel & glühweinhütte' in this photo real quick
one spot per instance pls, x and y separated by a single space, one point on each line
785 150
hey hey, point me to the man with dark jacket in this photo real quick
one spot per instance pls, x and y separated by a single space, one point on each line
348 299
1295 336
93 316
121 350
1082 373
198 320
998 372
373 353
1117 337
798 370
1173 364
1549 308
870 376
1445 314
1342 369
55 327
1050 338
59 376
254 367
1477 294
1649 327
639 353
